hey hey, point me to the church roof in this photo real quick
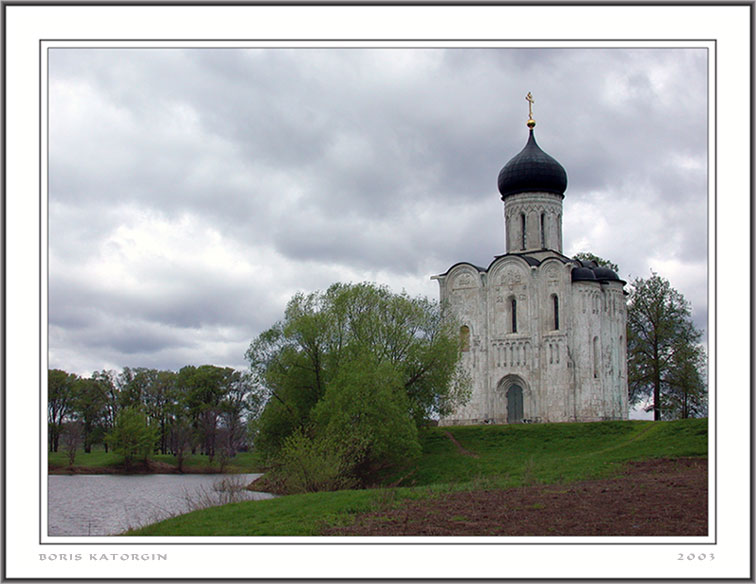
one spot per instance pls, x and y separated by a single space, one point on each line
532 170
584 271
590 271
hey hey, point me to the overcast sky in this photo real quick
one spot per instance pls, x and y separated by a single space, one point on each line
193 192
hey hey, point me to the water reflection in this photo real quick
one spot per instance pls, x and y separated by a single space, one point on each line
111 504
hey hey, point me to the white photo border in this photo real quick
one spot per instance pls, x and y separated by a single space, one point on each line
724 30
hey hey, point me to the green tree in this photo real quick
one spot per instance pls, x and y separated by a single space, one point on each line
60 395
132 435
665 359
90 407
587 256
158 395
233 407
110 388
366 412
72 436
686 395
203 390
134 385
330 347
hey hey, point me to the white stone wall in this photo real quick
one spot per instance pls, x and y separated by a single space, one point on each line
576 372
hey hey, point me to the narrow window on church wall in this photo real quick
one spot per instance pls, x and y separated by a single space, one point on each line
556 311
522 221
543 231
464 337
596 356
514 315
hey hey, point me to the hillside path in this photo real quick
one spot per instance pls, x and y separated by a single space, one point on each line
461 449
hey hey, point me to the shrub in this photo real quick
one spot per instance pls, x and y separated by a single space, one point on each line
132 436
310 464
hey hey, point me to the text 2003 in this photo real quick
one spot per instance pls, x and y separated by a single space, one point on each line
692 557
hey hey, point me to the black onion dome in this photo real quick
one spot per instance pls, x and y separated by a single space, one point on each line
532 170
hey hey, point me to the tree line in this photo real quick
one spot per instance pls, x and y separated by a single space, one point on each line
138 410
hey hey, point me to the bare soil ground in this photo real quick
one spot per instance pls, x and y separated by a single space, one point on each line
652 498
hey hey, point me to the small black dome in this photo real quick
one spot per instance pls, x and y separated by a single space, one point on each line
583 275
603 273
532 170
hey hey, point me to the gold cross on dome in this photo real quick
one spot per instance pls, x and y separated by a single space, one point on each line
531 101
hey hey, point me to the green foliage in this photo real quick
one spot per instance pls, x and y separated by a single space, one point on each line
307 465
60 394
89 406
358 363
590 257
201 407
132 436
665 358
366 412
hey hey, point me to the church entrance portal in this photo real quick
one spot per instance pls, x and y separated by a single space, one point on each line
513 401
514 405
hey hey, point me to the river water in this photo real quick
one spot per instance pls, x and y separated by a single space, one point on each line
111 504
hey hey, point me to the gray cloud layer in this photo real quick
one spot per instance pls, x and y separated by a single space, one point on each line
193 191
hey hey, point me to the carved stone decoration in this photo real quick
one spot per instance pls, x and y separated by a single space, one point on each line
510 279
552 275
463 281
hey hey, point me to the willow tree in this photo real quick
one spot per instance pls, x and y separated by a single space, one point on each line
317 354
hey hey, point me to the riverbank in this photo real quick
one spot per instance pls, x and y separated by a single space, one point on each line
100 462
471 475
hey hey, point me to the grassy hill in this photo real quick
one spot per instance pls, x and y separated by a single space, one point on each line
460 458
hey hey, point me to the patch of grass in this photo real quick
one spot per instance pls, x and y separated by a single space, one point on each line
551 453
242 462
291 515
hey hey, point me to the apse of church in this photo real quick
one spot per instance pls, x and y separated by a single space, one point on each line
542 334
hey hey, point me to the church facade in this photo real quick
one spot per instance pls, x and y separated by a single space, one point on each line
542 335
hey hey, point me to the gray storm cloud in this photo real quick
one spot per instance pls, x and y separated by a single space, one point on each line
193 191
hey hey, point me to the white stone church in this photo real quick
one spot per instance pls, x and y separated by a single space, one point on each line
543 335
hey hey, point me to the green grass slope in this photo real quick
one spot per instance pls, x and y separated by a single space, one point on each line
479 456
548 453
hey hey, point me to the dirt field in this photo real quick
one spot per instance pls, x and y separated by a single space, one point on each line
657 497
